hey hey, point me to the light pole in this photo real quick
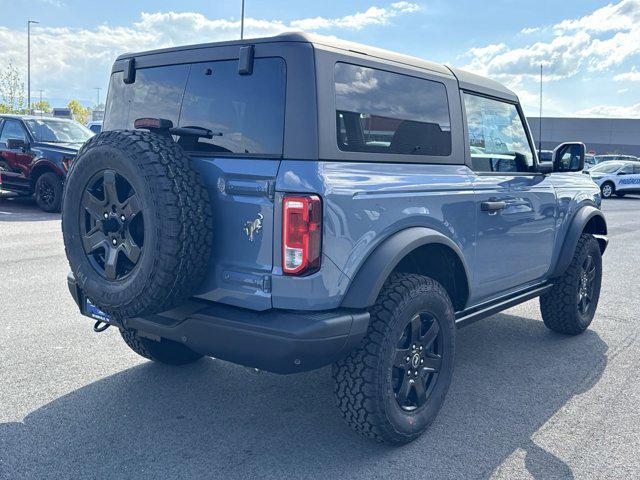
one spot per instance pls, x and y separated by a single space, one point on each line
242 22
29 22
40 101
97 89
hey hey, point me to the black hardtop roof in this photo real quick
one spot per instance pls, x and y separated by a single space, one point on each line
467 80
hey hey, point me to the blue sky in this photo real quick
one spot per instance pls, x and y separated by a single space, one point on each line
589 49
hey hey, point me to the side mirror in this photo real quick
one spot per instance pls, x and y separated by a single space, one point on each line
16 143
545 167
569 157
622 173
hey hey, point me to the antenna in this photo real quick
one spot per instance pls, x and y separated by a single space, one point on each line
540 117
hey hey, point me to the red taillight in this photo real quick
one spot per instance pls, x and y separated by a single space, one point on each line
301 234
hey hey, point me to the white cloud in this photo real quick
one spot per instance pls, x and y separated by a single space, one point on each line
624 15
632 76
358 20
613 111
607 37
69 62
600 41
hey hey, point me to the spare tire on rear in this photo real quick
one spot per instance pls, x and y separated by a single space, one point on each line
136 222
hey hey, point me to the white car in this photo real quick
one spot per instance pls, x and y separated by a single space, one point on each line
617 178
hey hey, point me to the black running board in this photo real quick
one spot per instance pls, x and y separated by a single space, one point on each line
473 314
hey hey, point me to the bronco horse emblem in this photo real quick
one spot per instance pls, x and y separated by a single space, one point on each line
253 226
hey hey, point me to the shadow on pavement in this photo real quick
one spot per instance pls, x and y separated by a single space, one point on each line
23 209
216 420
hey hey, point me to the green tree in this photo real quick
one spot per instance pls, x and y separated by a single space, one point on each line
42 106
11 90
80 113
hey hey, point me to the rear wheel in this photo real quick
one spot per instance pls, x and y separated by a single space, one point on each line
607 189
392 387
48 192
570 305
163 351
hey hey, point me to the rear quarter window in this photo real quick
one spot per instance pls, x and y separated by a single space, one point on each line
384 112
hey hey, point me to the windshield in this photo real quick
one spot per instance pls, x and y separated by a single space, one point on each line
607 167
58 131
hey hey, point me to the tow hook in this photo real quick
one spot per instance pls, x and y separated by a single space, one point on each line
100 326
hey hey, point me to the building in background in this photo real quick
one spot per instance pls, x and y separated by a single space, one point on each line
602 135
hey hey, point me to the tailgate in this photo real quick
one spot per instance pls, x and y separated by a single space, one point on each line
241 191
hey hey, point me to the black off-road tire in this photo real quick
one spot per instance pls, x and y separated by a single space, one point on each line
165 351
559 306
176 217
48 192
363 383
608 193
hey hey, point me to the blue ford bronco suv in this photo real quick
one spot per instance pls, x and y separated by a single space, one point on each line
293 202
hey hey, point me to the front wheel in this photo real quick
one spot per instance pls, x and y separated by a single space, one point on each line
570 305
607 189
48 192
392 386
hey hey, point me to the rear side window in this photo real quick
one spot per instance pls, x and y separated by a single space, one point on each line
384 112
497 138
245 112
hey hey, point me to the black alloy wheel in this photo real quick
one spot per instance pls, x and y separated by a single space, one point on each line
587 282
418 359
48 192
112 225
45 193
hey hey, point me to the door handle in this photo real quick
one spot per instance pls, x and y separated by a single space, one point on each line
492 206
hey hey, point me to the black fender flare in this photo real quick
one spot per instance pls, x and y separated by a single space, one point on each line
578 223
370 278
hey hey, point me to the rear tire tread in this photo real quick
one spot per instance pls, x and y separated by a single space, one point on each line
356 376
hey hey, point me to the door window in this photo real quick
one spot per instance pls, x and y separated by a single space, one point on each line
497 137
12 129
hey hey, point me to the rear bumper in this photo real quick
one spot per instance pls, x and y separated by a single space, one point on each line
278 341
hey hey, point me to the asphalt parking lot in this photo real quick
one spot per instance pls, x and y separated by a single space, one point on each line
525 403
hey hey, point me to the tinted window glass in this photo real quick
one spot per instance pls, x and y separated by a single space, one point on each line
245 112
384 112
116 109
497 137
157 92
12 129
